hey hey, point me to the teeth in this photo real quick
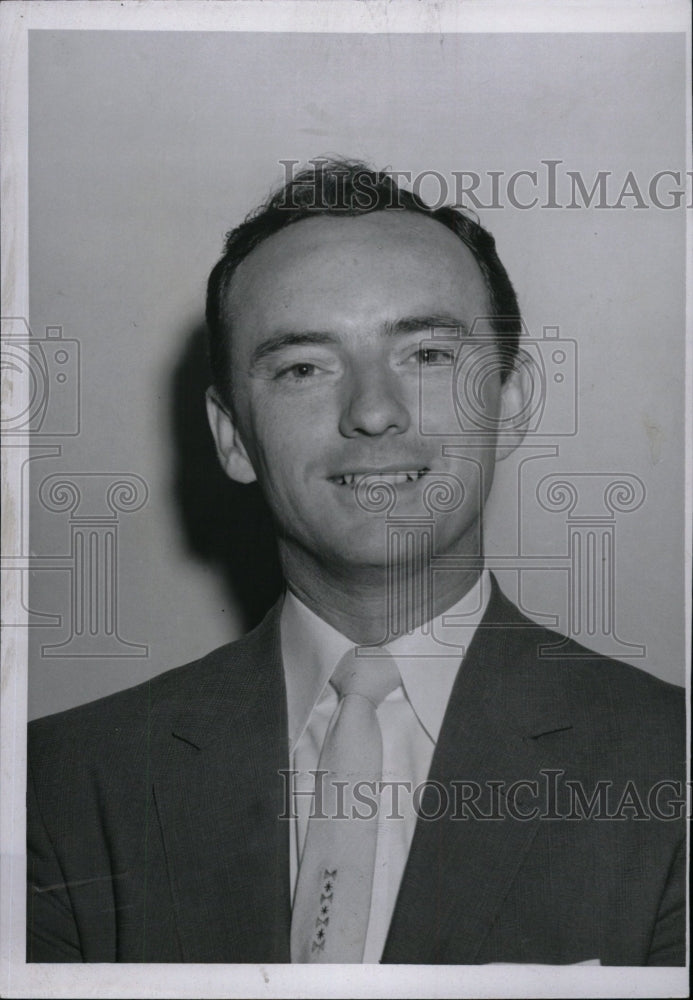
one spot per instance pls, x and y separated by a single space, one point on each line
396 478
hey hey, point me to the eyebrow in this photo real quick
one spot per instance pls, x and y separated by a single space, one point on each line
279 341
410 324
414 324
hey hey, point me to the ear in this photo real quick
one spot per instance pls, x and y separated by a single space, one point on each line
515 398
230 449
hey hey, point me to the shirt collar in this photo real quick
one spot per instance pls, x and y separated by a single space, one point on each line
428 658
311 649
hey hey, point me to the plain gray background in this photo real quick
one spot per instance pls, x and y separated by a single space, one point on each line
146 148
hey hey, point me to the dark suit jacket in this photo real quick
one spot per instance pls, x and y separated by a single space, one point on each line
154 833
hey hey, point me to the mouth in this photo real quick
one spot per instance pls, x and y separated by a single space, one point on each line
398 477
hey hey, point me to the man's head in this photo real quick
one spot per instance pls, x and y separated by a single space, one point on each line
321 325
345 188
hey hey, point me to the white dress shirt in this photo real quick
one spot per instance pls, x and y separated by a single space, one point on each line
410 719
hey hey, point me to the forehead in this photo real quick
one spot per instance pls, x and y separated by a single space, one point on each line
373 267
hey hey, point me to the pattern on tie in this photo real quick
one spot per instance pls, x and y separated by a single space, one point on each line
323 918
333 893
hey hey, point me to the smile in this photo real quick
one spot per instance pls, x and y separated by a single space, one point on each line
398 478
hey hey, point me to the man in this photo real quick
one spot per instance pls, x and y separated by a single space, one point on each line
394 766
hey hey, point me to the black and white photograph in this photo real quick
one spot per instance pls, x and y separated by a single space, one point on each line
346 556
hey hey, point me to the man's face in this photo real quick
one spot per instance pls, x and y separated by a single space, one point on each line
329 375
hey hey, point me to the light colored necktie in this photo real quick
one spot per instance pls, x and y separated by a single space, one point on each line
333 892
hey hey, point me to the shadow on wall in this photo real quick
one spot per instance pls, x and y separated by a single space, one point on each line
225 524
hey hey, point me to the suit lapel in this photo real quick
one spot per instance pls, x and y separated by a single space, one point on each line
218 795
460 869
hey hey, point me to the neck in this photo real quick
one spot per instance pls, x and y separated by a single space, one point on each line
372 605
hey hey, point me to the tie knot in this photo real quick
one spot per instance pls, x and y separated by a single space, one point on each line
370 672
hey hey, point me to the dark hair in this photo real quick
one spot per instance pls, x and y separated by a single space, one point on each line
350 188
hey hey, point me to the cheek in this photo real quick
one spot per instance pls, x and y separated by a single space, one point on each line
472 467
283 443
476 389
293 419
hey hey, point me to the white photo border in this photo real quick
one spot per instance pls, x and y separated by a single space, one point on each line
17 18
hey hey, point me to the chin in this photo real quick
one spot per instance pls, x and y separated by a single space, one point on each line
360 557
376 550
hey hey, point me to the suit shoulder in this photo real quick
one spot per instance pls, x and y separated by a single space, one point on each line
607 676
129 714
633 709
557 649
623 696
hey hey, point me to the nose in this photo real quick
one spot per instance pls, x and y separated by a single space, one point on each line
373 404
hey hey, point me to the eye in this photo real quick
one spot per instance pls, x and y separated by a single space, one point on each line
299 371
436 356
